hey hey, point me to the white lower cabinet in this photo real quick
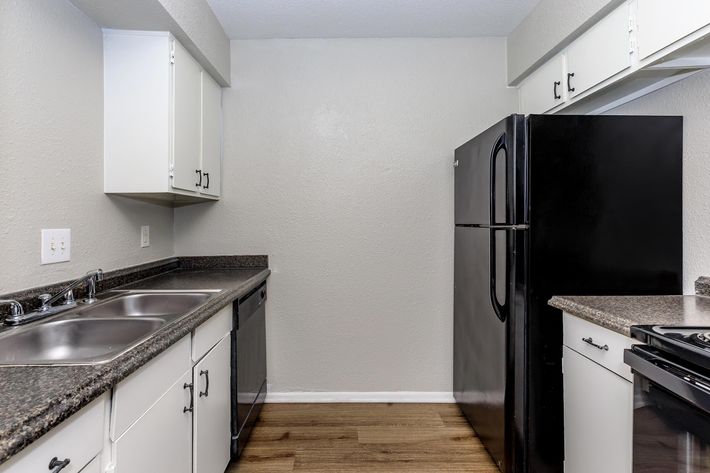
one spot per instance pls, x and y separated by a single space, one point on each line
173 415
598 402
212 433
186 425
161 440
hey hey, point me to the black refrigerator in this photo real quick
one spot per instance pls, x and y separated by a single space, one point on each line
552 205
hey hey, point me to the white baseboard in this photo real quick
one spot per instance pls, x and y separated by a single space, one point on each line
365 397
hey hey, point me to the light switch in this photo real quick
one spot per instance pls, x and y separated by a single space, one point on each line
145 236
56 245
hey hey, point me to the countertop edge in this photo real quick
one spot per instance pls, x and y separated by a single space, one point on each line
595 316
107 376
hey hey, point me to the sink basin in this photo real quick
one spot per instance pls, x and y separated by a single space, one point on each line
147 304
74 341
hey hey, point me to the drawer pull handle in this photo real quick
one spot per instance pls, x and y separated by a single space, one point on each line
56 466
595 345
189 386
206 392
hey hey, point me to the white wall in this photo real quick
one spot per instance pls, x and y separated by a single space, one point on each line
691 99
51 151
337 163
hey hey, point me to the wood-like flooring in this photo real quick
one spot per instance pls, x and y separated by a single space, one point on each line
320 438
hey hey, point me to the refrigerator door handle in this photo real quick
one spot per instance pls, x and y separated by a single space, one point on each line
500 145
501 310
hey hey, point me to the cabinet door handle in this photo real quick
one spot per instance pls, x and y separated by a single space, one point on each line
199 174
56 466
189 386
554 90
589 341
207 176
570 75
206 393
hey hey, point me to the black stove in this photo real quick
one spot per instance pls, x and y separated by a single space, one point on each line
671 398
684 344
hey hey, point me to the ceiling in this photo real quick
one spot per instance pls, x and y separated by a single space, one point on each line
257 19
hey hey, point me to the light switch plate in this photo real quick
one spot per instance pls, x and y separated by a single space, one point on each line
56 245
145 236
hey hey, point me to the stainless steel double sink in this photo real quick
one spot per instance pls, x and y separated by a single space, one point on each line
97 333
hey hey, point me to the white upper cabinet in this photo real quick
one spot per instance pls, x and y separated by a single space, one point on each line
662 22
186 93
162 119
600 53
211 162
544 89
636 49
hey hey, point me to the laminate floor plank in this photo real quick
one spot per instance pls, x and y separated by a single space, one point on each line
327 438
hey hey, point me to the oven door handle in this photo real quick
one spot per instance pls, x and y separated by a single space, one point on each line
674 378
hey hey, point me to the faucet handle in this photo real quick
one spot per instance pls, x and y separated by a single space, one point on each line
44 298
69 298
15 307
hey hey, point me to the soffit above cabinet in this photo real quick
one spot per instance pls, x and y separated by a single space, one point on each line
192 22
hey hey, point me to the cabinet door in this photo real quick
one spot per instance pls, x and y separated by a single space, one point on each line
662 22
598 417
543 90
161 440
186 111
212 434
599 53
93 467
211 135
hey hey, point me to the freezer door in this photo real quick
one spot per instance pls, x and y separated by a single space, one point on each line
480 337
490 176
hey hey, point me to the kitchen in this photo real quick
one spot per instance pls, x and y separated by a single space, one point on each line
314 153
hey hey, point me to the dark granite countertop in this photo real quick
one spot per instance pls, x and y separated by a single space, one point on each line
34 399
619 313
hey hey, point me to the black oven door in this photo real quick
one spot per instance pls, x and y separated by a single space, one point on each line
671 414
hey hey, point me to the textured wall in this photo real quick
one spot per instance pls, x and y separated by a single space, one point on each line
337 164
51 150
690 98
551 24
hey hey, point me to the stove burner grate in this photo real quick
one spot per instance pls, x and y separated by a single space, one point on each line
703 338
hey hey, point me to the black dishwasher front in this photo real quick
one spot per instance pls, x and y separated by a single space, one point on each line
248 365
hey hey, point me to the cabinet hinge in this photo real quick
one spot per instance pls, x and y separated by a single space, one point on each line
172 52
632 25
171 172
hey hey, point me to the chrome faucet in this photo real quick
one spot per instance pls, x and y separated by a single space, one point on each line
18 317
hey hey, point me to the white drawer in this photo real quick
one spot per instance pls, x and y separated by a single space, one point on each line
133 396
79 439
580 335
211 332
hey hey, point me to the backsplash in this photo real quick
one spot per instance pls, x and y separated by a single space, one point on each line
120 277
702 286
